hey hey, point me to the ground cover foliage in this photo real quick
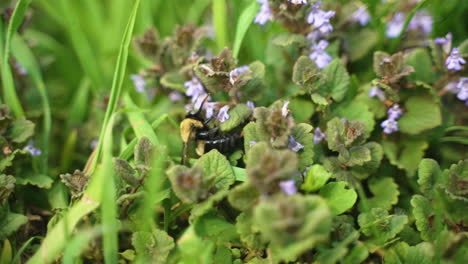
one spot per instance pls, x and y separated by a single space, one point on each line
339 128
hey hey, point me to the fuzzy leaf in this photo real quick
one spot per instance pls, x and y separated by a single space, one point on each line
302 134
337 80
174 80
376 152
152 247
386 226
245 228
10 223
357 110
193 249
428 175
7 186
143 151
457 176
421 61
125 171
406 154
216 229
21 130
7 161
339 199
385 192
378 58
421 114
358 47
356 156
39 180
243 196
422 211
296 230
215 163
342 134
305 72
315 178
238 115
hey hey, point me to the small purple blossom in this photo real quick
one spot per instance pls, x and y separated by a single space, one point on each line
139 82
209 110
294 145
377 92
288 187
194 89
175 96
422 20
252 142
265 14
462 88
445 42
390 126
394 112
395 26
284 109
451 87
234 74
223 115
251 105
454 60
21 70
31 149
319 56
320 19
361 16
319 135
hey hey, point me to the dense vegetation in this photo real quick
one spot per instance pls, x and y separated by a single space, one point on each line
242 131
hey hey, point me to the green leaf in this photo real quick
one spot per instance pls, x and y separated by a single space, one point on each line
358 47
342 134
21 130
125 171
358 254
291 233
385 192
403 253
238 115
406 154
174 80
10 223
6 255
315 178
385 226
215 164
243 196
302 134
301 109
287 39
421 61
143 150
356 156
249 235
429 174
39 180
457 177
337 80
7 161
152 247
421 114
305 72
216 229
339 199
243 24
376 152
378 58
193 249
357 110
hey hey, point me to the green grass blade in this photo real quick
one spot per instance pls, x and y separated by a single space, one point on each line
196 10
79 105
23 248
81 44
78 244
26 58
243 24
109 206
9 90
139 123
220 23
119 75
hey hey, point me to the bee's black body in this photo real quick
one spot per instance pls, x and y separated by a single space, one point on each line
225 143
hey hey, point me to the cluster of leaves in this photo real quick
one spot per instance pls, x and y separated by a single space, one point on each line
316 180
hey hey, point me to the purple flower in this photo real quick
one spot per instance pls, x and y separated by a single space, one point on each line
377 92
462 88
362 16
251 105
451 87
234 74
315 36
319 56
389 126
209 110
194 89
139 82
223 115
31 149
446 42
320 19
454 60
421 20
175 96
265 14
298 2
395 25
319 135
394 112
252 142
21 70
294 145
284 109
288 187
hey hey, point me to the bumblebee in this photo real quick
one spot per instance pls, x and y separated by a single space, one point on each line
194 128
